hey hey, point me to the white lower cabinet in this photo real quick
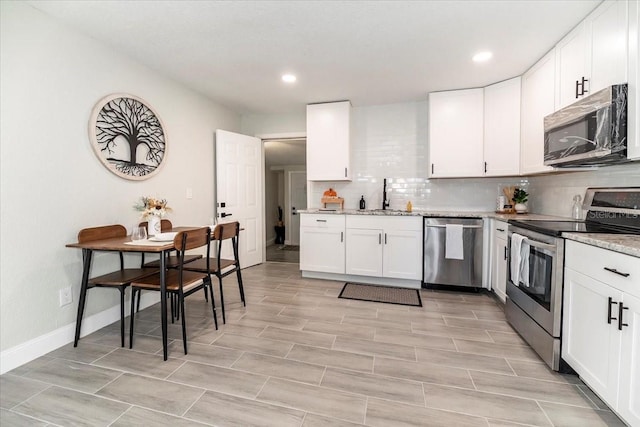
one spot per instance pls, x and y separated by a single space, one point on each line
601 325
499 260
384 246
322 243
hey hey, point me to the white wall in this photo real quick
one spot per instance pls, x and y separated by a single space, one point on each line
52 184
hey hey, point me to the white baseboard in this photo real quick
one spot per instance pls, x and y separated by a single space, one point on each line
32 349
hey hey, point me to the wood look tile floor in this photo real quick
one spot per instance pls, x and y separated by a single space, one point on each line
299 356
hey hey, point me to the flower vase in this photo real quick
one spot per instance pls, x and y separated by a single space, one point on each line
521 208
153 225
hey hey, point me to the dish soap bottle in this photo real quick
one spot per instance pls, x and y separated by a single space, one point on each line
362 203
576 211
409 206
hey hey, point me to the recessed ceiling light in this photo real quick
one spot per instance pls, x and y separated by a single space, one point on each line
289 78
482 56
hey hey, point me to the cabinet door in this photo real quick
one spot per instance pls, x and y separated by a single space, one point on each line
571 65
499 268
402 257
364 252
328 141
537 101
455 133
629 396
590 344
608 54
502 128
322 249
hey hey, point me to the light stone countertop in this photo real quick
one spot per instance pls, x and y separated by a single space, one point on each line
433 214
623 243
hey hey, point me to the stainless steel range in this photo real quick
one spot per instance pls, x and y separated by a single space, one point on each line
536 265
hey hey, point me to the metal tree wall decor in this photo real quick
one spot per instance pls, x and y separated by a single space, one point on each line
127 136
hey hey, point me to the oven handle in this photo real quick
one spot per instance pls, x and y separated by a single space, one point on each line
540 245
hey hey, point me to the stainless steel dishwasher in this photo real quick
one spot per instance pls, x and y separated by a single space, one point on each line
439 270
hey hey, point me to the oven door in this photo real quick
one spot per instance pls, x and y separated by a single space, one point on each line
540 297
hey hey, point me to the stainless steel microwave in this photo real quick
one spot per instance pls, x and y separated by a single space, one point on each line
589 132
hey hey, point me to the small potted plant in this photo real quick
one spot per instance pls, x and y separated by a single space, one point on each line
520 198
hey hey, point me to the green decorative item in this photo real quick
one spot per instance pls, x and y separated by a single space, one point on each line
520 198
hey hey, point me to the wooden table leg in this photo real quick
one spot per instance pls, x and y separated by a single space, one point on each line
86 267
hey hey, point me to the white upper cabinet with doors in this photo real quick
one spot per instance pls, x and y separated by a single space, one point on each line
328 141
593 55
456 123
538 91
502 128
633 123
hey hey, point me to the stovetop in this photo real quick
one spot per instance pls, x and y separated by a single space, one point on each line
609 210
556 228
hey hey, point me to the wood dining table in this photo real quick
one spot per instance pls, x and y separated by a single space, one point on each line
124 244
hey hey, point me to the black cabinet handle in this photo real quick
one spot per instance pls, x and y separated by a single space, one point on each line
619 273
321 220
500 229
385 238
582 85
345 172
621 309
432 168
485 167
609 310
341 236
577 93
379 238
505 252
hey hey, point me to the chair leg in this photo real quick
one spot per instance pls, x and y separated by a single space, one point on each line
206 294
133 314
122 316
239 275
213 303
224 320
184 324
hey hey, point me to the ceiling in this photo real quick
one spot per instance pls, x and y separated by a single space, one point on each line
369 52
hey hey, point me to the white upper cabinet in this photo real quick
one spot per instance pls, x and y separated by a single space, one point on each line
328 141
502 128
456 122
593 55
538 90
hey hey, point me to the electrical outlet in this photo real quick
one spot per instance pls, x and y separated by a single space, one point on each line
65 296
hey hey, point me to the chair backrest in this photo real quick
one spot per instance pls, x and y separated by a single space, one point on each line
191 239
165 224
226 231
101 233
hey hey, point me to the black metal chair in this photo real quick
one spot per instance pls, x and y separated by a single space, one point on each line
118 279
179 282
222 267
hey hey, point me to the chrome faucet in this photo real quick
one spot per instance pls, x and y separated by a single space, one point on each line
385 202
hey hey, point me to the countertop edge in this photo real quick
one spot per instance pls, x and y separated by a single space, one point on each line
433 214
622 243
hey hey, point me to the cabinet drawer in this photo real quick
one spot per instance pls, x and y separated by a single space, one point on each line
500 229
322 220
385 222
594 262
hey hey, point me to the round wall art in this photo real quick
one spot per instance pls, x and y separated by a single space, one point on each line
127 136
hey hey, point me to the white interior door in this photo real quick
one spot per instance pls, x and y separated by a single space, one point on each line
297 201
239 191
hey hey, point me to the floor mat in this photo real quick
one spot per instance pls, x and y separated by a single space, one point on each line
384 294
289 248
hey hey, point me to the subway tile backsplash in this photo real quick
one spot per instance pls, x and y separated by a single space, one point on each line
390 141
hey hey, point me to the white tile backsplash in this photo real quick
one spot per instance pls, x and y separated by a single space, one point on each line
390 141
